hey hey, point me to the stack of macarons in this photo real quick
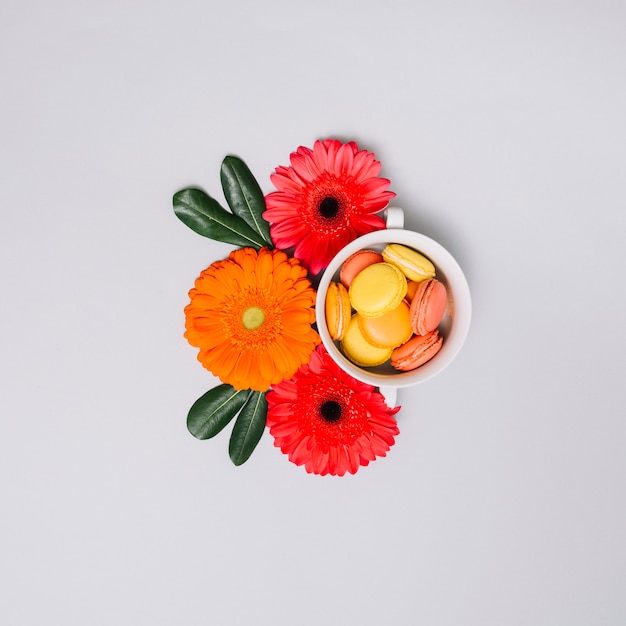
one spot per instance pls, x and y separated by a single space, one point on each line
387 307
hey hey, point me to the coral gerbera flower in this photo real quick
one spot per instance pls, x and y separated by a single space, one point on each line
325 200
251 315
328 421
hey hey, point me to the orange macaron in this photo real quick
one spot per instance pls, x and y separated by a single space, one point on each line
358 350
411 288
390 330
416 351
338 310
428 306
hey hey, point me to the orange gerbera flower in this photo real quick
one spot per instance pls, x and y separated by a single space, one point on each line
251 315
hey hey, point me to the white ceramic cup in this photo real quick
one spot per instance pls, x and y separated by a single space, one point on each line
454 325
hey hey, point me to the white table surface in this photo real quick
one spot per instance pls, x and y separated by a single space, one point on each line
501 126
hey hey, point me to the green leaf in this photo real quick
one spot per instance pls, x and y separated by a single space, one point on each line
214 410
248 428
208 218
244 196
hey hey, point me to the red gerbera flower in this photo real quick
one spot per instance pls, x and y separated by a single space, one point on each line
325 200
328 421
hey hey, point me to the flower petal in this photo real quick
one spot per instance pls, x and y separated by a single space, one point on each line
366 427
330 169
252 358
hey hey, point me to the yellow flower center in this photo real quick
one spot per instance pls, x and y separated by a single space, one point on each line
253 317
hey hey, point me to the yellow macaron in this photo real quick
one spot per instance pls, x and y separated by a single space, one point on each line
413 265
362 353
377 289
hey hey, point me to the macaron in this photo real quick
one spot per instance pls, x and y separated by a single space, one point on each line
377 289
428 306
416 351
338 310
414 265
356 348
389 330
357 262
411 288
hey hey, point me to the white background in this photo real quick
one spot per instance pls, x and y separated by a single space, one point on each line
501 126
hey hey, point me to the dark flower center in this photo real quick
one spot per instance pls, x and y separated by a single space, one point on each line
329 207
331 411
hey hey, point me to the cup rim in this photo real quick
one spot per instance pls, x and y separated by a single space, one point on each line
448 270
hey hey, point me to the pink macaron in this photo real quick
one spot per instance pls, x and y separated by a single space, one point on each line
357 262
428 306
416 351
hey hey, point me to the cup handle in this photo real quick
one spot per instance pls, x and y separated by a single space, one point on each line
394 217
391 395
